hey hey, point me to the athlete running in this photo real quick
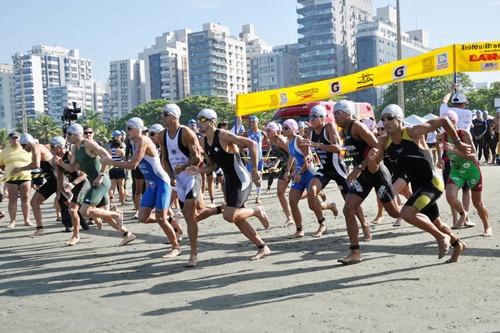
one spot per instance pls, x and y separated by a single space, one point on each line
181 157
408 148
221 149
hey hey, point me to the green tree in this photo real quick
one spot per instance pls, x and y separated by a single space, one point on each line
4 137
149 112
425 96
94 120
191 105
43 128
484 99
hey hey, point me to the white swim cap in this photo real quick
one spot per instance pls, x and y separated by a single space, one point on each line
172 109
207 113
393 110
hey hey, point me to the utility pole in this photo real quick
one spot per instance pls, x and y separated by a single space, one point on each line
401 89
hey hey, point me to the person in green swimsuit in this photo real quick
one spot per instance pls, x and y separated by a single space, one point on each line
84 157
464 170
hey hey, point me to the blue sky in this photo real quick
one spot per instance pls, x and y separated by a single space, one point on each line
108 30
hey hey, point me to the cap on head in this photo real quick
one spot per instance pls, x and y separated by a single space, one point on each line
380 124
192 122
343 106
76 129
26 139
173 109
452 115
135 122
318 110
272 127
116 133
393 110
458 98
57 141
155 128
253 118
485 113
207 113
291 124
302 124
13 134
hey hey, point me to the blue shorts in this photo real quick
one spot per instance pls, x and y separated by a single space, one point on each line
305 179
157 196
260 166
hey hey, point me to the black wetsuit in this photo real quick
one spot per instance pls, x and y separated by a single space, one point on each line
237 180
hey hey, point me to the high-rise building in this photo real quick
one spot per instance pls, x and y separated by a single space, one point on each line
277 69
328 31
254 46
82 92
126 87
217 63
166 67
6 96
41 68
99 89
376 44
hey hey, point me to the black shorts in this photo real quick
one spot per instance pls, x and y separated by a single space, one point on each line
403 176
17 182
235 197
381 181
137 174
282 173
37 179
117 173
325 177
49 188
424 198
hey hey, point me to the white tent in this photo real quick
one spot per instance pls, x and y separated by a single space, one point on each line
430 116
414 120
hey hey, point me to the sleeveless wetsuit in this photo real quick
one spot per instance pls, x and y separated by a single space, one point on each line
308 174
417 163
332 165
380 180
237 180
257 137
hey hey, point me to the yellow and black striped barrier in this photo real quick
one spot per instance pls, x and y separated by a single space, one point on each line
33 176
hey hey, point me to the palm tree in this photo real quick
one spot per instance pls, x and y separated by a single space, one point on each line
43 128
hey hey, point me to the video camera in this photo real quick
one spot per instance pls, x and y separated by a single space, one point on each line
71 114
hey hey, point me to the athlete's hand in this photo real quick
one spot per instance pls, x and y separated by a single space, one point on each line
440 164
463 147
447 146
353 175
192 170
256 178
372 154
98 181
296 178
58 161
307 143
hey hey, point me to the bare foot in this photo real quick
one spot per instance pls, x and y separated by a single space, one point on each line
38 232
257 201
73 241
174 252
29 224
461 220
377 220
469 224
397 223
98 224
488 232
11 225
129 237
261 253
351 259
192 261
443 245
298 234
321 230
333 207
260 213
457 251
366 232
289 221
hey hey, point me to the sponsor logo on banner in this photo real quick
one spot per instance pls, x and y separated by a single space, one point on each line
399 72
484 57
428 64
283 98
335 88
489 66
306 93
365 80
442 61
482 46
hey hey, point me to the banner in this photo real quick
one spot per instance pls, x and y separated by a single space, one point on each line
478 57
443 61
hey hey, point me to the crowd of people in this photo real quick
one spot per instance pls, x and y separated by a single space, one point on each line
173 165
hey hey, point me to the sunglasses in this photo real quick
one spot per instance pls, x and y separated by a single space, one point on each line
54 146
130 128
87 133
203 119
388 118
152 133
315 116
14 137
166 114
338 113
285 128
381 128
